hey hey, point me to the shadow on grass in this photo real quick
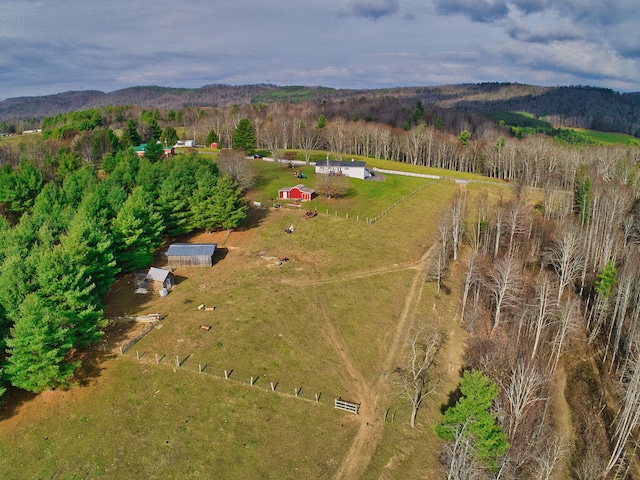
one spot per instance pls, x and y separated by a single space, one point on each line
255 217
454 395
13 399
91 358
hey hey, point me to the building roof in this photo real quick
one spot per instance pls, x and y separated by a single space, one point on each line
191 249
335 163
300 187
157 274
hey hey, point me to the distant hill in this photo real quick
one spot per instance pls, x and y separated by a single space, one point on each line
571 106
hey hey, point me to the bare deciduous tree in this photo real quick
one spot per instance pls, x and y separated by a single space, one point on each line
565 256
416 378
524 389
503 281
457 213
236 166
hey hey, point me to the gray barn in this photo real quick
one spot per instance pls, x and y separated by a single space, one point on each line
191 254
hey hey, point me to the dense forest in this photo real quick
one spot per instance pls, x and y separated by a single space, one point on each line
551 277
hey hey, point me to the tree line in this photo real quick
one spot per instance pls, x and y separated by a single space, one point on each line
68 228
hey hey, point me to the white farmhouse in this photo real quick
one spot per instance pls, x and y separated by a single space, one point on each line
351 169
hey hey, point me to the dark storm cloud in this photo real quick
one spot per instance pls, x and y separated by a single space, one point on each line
481 11
374 9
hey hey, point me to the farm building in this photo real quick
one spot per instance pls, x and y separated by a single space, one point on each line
350 169
155 280
140 149
299 192
191 254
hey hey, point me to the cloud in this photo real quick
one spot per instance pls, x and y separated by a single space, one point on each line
481 11
374 9
530 6
545 35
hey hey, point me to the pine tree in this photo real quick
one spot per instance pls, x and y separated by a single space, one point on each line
153 151
66 285
212 137
137 232
472 412
244 137
228 208
37 348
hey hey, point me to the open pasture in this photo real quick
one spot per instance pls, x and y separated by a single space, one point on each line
292 336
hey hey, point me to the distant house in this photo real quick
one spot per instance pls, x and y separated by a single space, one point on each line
140 149
191 254
299 192
351 169
168 151
155 280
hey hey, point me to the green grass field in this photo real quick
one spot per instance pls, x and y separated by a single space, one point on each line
608 138
322 322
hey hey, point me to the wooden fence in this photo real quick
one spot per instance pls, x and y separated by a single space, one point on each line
347 406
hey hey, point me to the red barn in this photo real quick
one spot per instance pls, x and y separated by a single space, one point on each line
299 192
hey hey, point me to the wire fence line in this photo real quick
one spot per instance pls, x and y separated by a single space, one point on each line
177 362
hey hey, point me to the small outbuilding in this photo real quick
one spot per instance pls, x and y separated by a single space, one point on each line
351 169
299 192
191 254
155 280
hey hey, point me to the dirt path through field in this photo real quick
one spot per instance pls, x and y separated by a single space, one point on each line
356 460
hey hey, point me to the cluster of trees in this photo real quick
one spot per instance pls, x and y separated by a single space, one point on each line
547 270
68 229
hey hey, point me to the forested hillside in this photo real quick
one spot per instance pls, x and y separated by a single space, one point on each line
573 106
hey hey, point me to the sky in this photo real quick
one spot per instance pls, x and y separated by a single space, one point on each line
54 46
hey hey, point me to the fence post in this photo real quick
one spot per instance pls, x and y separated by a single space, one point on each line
251 382
137 354
121 351
273 388
226 375
199 368
177 361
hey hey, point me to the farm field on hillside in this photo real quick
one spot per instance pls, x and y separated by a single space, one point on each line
330 320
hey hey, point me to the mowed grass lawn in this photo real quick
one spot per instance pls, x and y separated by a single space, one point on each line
339 296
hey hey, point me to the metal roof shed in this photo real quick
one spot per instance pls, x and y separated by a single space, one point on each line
191 254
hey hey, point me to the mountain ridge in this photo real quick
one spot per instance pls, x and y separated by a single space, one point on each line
572 106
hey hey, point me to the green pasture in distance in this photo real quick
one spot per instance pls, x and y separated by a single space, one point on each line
608 138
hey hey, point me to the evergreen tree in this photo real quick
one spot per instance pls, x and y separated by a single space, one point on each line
153 151
472 412
169 136
68 161
64 281
37 348
244 137
130 137
582 195
322 122
212 137
89 242
125 172
156 131
225 207
137 232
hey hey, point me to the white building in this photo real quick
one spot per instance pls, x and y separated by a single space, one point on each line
351 169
